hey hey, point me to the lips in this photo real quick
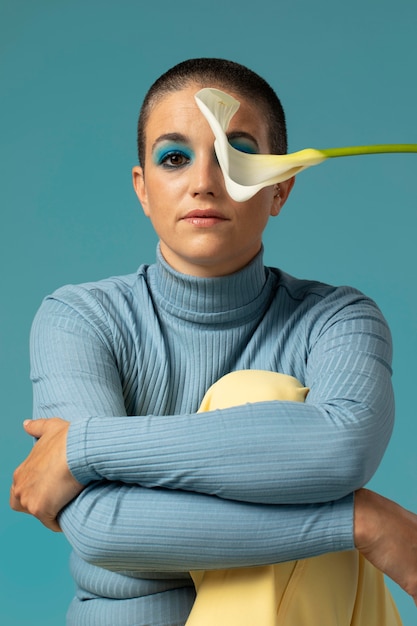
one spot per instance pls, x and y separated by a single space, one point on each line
204 213
204 217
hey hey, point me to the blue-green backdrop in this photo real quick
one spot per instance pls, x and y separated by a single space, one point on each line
72 77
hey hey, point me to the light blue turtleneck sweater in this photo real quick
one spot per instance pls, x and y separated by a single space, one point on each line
127 360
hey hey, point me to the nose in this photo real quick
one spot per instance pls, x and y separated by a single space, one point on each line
206 176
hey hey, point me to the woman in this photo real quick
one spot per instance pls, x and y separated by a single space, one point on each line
156 490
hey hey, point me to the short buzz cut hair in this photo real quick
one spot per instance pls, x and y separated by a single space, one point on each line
213 72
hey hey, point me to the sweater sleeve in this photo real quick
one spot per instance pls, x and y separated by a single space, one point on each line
187 491
268 452
129 529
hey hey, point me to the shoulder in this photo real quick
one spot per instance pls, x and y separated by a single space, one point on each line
298 289
319 304
316 292
100 304
102 292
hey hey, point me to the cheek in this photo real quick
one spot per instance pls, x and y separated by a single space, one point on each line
165 187
266 196
260 206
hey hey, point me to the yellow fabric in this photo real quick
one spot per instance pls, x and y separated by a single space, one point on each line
336 589
252 386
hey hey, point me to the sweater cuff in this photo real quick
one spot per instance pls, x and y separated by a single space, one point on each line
342 531
77 453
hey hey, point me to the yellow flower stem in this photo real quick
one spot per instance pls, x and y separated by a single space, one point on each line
376 149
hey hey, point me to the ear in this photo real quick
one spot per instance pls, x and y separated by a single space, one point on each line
280 198
138 179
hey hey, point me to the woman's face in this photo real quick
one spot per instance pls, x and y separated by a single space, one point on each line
202 231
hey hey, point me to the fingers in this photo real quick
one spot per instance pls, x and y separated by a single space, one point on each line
42 484
15 502
37 428
17 505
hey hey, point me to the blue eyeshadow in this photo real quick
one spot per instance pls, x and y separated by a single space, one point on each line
161 152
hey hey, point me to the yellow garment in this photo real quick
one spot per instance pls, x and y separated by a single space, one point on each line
335 589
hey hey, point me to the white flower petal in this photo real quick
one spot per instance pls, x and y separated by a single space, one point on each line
246 174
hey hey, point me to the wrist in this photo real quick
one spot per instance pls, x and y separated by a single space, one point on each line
363 518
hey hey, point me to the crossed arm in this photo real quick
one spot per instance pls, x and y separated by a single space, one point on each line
383 531
274 520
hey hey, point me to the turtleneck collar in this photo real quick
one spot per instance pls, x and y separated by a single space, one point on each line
235 297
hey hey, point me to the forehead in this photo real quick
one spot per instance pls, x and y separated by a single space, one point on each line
178 111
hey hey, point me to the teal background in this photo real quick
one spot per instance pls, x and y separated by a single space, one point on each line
72 77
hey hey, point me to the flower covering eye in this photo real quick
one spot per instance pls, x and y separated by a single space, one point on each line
245 174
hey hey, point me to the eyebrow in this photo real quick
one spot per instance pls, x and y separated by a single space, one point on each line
180 138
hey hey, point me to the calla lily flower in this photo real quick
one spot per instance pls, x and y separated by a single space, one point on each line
246 174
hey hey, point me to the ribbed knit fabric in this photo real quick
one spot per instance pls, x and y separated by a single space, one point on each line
127 360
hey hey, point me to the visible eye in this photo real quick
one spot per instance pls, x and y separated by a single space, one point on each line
172 158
